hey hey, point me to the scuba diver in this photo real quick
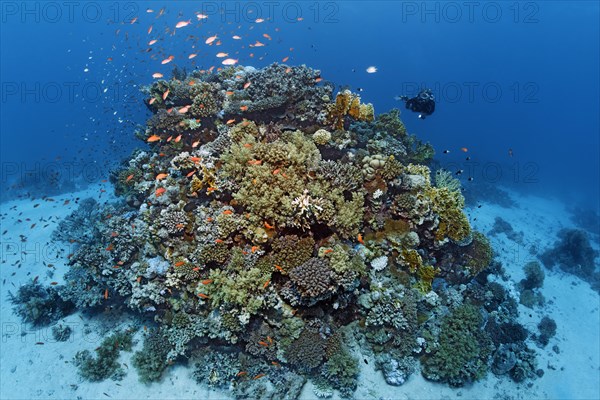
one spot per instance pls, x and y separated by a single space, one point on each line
423 103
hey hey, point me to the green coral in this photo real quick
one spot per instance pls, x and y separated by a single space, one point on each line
341 371
151 360
245 132
236 286
105 364
478 255
444 179
463 351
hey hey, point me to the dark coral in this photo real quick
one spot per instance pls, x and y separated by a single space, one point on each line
312 279
573 253
40 305
306 352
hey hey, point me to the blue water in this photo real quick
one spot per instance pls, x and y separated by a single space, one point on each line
520 76
516 84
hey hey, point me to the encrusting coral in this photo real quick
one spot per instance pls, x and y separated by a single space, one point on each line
266 219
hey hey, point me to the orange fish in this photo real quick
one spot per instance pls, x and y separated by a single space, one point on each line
152 100
218 241
258 376
195 160
275 172
229 61
203 296
275 363
236 37
318 79
106 294
247 84
150 43
263 343
192 83
167 60
221 55
192 56
153 138
157 75
207 281
327 251
229 93
269 226
161 176
288 70
244 108
360 239
183 110
130 177
266 284
259 20
257 44
210 39
227 212
160 191
285 59
464 149
255 162
195 144
241 373
231 121
110 247
183 24
190 174
266 35
177 139
179 263
165 94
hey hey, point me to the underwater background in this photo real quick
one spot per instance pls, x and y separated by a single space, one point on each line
513 181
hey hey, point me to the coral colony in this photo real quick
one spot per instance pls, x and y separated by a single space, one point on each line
270 232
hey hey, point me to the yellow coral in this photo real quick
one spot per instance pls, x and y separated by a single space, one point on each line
348 103
426 275
411 259
208 180
453 222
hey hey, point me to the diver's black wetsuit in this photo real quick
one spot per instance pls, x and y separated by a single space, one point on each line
423 103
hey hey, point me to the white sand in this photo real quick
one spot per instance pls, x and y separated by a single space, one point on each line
30 371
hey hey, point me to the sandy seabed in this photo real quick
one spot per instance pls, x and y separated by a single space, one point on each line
30 370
